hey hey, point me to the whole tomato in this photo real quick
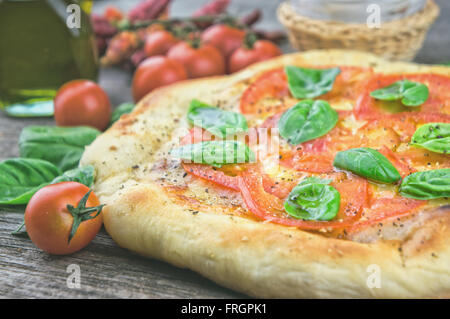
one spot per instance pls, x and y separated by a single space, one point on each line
82 102
201 61
63 218
155 72
159 43
223 37
258 51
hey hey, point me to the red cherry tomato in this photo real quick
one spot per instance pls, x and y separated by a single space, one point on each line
224 38
159 43
199 62
243 57
49 221
82 102
113 14
155 72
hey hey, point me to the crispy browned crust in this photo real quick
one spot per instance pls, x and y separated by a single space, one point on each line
257 258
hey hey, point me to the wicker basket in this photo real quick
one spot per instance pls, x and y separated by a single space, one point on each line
395 40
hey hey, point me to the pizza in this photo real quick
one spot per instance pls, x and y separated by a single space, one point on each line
323 174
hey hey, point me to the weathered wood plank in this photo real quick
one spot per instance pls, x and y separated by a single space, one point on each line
108 271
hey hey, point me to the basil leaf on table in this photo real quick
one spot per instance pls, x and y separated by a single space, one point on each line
310 83
62 146
410 93
427 185
20 178
306 121
434 137
122 109
216 153
83 175
219 122
369 163
313 199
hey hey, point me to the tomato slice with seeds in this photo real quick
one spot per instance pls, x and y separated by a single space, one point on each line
383 208
403 168
270 85
269 93
353 190
438 101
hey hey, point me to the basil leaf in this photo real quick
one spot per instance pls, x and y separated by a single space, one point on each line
310 83
369 163
20 178
62 146
434 137
83 175
306 121
427 185
219 122
410 93
313 199
215 153
122 109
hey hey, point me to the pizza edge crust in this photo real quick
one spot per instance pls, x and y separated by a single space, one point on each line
256 258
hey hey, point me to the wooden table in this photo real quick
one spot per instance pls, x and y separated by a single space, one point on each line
108 271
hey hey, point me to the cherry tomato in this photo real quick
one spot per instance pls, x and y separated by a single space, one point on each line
82 102
155 72
203 61
243 57
50 221
159 43
113 14
224 38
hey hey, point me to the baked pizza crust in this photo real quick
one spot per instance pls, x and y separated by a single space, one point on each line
257 258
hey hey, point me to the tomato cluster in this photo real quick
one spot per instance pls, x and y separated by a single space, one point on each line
218 50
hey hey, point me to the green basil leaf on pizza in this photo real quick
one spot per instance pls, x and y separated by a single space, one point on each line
307 83
427 185
408 92
306 121
219 122
368 163
434 137
215 153
313 199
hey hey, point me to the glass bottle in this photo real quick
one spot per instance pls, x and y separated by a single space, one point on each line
43 44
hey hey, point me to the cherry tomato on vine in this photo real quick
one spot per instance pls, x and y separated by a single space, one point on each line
159 43
82 102
155 72
257 51
225 38
199 60
63 218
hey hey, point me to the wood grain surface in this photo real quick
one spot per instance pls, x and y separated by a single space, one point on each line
108 271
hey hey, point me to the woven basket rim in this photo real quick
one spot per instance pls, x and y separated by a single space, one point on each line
420 20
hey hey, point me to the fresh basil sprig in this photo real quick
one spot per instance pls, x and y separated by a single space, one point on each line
310 83
20 178
427 185
219 122
369 163
62 146
216 153
83 175
313 199
122 109
306 121
410 93
434 137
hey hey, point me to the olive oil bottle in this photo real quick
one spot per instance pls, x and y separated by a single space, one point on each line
40 51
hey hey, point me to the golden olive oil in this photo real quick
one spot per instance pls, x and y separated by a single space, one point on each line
39 52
